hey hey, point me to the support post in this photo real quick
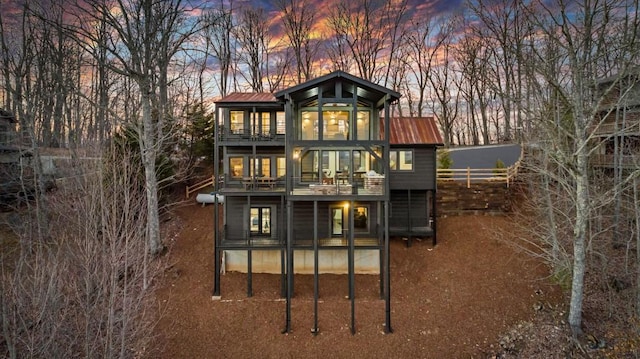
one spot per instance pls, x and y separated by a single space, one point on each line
216 251
387 279
380 246
316 281
287 327
352 271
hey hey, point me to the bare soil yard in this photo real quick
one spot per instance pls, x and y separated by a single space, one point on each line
454 300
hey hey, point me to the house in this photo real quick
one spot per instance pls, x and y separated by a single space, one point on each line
618 130
315 180
8 151
10 158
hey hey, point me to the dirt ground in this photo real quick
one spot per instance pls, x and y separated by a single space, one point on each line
454 300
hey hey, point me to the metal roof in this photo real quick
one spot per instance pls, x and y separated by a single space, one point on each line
413 131
247 97
365 89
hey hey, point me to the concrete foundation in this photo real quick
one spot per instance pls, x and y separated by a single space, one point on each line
330 261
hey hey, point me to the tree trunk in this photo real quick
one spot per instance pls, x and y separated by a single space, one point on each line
579 244
148 151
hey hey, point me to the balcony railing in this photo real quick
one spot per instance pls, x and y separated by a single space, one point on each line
225 134
608 129
340 186
625 161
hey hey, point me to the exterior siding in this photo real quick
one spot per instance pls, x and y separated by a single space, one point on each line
303 219
419 212
237 216
423 175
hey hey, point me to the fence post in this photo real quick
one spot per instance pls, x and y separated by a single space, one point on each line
468 177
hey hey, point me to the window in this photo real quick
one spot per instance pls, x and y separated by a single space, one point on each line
237 122
260 221
362 125
309 166
236 167
401 160
337 221
261 167
260 123
281 167
335 125
309 128
361 219
280 123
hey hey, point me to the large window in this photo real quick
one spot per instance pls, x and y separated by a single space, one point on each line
236 167
261 123
362 125
260 167
401 160
260 221
309 128
237 122
335 125
309 166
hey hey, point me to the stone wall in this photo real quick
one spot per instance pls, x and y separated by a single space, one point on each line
454 198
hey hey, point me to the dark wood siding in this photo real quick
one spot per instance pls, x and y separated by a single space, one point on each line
401 213
237 216
303 219
423 174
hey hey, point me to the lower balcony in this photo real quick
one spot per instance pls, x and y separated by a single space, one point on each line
609 161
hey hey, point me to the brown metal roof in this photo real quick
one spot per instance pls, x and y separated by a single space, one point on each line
414 131
248 97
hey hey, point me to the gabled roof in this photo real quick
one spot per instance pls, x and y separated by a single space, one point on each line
366 89
248 97
413 131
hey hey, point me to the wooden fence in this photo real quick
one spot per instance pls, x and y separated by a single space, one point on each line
474 175
207 182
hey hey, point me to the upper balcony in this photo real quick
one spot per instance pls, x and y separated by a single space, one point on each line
249 135
610 129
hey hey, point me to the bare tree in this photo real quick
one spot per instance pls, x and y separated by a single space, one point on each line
144 36
298 17
219 26
568 63
253 34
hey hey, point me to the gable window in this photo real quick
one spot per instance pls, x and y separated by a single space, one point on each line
401 160
260 221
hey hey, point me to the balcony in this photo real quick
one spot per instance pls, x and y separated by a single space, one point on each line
631 127
608 161
367 185
255 184
225 134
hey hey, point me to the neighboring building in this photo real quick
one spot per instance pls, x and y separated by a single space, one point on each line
619 128
10 158
316 181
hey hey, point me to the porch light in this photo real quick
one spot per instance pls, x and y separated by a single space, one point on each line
296 154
